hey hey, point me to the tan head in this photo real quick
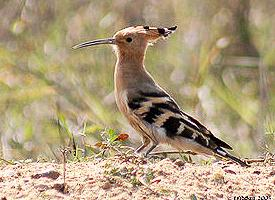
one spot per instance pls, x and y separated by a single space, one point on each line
132 40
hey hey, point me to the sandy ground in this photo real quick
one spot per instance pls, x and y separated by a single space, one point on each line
136 178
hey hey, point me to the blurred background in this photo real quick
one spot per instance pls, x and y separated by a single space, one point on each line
219 66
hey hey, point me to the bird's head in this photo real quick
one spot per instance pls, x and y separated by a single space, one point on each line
132 40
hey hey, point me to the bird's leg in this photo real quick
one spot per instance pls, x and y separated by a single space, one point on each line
151 149
145 142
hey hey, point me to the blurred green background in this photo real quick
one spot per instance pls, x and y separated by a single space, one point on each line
219 66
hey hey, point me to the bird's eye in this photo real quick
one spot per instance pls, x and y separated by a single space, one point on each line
128 39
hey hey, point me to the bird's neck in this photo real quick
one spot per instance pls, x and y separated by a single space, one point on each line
128 64
130 71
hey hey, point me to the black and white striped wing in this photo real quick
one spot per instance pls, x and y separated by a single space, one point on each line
160 110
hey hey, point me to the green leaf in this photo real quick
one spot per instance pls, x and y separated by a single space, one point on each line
112 135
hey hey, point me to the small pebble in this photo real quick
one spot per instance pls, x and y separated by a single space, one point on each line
179 163
106 185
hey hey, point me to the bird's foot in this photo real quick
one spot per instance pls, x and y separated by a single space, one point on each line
139 154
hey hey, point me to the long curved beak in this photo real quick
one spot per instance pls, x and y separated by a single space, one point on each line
94 42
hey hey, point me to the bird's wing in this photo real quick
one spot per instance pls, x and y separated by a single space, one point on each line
160 110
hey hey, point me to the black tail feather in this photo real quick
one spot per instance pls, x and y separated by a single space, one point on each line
237 160
220 142
222 153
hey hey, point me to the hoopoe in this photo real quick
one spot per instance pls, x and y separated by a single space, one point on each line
150 110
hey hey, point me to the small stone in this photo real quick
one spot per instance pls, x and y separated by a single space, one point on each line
41 187
256 172
179 163
219 195
50 174
106 185
229 171
61 187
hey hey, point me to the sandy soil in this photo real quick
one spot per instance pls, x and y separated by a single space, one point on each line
136 178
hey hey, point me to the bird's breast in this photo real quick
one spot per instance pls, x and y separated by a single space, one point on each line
121 100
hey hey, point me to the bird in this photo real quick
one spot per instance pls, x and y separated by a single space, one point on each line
149 109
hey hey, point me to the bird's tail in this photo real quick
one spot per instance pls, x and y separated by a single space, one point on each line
222 153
